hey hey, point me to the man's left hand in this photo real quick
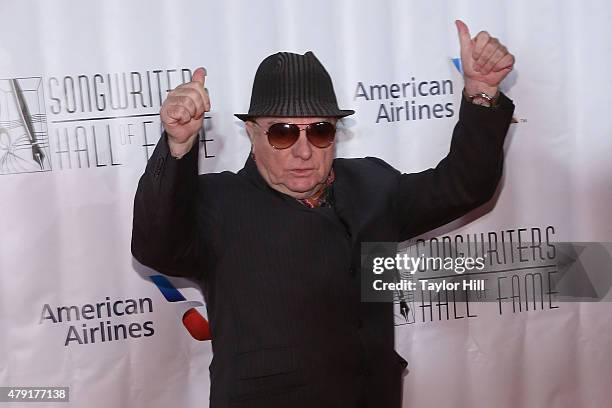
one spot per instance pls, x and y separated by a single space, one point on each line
484 60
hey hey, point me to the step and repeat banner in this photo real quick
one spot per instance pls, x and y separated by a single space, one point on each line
81 85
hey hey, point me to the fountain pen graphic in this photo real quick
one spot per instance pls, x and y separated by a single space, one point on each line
26 119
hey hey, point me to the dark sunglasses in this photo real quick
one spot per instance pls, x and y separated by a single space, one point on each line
284 135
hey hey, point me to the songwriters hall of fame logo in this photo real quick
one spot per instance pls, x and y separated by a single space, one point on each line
524 270
85 121
24 144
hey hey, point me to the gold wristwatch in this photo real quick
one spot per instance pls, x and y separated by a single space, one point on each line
483 99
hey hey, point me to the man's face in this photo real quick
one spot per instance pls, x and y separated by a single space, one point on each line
298 171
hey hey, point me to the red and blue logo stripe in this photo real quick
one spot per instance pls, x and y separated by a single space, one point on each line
194 322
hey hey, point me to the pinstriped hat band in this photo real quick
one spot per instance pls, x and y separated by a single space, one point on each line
288 84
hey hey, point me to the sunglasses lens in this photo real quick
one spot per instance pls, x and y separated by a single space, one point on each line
321 134
283 135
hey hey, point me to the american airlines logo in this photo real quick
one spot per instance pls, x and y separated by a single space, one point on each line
193 320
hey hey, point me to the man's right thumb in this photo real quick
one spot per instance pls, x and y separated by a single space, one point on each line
199 75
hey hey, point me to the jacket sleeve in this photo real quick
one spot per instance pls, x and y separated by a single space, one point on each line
465 179
164 231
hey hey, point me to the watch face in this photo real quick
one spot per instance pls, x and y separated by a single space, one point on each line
479 100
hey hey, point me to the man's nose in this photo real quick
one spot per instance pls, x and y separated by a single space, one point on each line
302 147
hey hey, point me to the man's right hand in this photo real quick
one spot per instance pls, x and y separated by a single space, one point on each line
183 111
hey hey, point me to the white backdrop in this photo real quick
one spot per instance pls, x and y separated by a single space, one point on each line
93 75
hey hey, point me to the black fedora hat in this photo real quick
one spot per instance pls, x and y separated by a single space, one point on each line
293 85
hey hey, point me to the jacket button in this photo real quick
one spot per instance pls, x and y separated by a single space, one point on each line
352 271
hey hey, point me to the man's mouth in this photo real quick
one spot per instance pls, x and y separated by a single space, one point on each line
301 172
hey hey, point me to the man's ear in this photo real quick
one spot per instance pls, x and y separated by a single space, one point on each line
249 126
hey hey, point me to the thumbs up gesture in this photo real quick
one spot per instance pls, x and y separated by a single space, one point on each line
485 61
183 111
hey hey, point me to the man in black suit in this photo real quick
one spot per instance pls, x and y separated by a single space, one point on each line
276 247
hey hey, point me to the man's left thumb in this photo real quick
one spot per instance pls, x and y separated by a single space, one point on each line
464 34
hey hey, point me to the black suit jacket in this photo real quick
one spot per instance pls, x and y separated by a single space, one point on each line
281 281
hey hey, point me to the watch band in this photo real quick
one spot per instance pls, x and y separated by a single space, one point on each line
483 99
